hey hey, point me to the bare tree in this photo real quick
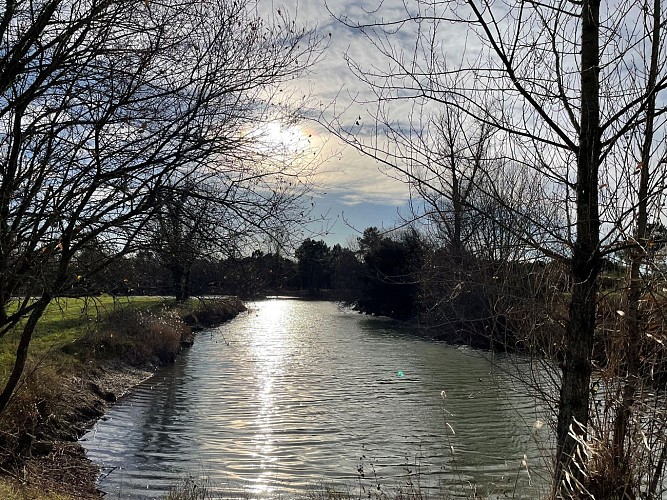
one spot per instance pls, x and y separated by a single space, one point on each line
184 227
455 169
105 102
563 86
260 197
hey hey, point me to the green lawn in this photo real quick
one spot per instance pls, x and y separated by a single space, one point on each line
67 320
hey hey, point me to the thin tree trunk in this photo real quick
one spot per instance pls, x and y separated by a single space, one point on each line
620 453
22 351
180 275
657 474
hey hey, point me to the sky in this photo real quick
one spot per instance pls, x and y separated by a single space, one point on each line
353 192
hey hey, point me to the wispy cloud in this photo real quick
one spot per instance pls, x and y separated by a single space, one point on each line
357 179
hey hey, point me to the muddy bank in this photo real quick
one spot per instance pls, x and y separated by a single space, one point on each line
41 449
55 461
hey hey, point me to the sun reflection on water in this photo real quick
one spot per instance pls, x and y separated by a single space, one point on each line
271 343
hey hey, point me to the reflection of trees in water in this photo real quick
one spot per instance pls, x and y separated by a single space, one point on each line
165 404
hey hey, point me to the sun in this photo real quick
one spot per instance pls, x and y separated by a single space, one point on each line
281 138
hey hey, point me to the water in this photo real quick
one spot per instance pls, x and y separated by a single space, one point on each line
294 394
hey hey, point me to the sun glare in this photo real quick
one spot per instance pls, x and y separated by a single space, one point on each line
282 138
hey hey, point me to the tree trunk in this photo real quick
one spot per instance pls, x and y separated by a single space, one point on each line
573 410
632 341
180 275
22 351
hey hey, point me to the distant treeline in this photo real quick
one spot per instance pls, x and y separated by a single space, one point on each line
315 268
456 295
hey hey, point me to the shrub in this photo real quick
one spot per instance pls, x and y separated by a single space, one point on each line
209 312
139 338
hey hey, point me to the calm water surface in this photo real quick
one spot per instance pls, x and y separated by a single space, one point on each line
294 394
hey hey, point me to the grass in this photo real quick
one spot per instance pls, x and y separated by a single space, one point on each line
68 320
71 320
9 491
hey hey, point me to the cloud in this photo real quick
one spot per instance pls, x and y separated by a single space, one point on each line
356 179
373 187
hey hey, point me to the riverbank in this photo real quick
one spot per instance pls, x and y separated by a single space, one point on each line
87 353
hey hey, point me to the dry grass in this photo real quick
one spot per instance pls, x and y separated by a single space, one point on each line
201 313
151 335
10 491
191 489
137 337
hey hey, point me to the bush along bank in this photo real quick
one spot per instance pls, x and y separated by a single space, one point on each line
87 354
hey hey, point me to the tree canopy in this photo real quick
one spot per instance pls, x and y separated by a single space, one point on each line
104 104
